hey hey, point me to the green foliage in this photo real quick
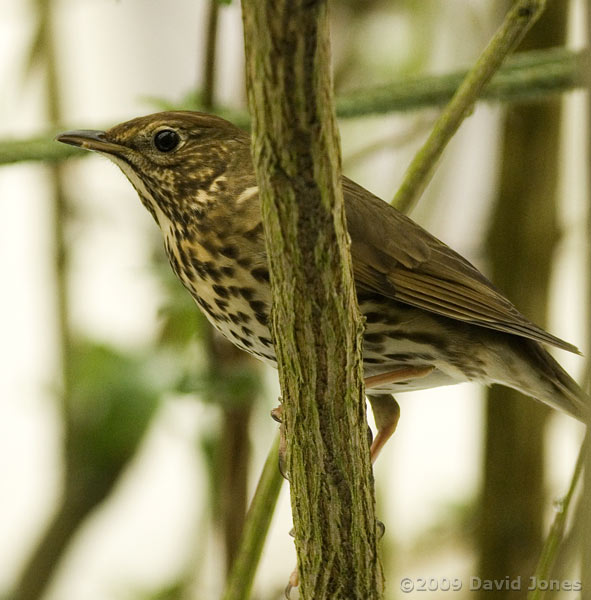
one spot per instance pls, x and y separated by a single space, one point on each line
180 321
236 387
173 591
113 397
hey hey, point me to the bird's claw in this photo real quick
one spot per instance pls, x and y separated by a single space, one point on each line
381 529
277 414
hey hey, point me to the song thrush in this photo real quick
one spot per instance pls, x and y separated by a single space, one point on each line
431 318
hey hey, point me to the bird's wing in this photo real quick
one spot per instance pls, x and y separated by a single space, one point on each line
396 258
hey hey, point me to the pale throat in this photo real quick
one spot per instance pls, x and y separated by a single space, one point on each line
146 196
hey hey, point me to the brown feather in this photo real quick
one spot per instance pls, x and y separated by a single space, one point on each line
395 257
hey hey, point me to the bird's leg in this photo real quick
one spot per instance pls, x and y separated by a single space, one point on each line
386 410
402 374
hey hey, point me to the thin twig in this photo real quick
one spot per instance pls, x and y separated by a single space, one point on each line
256 526
42 147
554 539
519 19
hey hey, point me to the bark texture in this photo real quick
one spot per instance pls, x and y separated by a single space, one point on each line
315 317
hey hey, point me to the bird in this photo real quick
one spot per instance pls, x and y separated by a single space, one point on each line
430 317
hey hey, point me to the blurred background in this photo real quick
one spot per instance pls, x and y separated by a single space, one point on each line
131 437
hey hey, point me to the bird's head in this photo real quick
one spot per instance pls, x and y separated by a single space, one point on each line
175 159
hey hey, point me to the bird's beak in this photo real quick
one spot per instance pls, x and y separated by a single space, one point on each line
89 139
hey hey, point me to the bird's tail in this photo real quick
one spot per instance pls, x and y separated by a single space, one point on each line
555 386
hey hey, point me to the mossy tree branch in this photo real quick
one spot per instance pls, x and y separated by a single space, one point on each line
315 320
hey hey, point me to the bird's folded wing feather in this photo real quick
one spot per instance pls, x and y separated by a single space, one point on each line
395 257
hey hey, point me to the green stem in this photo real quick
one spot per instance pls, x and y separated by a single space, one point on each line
535 74
256 526
554 539
42 147
526 76
518 20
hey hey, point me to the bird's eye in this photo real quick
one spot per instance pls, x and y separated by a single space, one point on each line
166 140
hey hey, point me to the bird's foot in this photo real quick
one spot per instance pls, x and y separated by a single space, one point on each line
386 412
384 406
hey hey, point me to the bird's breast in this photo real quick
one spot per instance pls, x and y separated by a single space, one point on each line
231 287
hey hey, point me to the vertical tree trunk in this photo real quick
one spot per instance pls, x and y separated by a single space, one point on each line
315 320
521 241
233 446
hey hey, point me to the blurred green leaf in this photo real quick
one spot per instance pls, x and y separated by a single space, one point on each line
173 591
189 100
113 397
180 321
234 387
